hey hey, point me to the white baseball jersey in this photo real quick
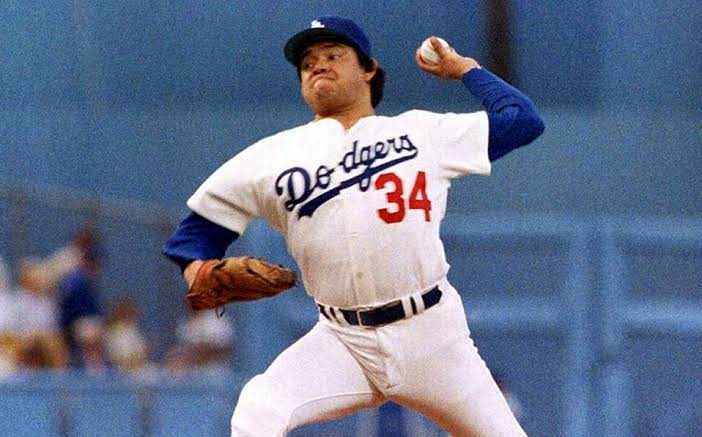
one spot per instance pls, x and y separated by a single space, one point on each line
360 209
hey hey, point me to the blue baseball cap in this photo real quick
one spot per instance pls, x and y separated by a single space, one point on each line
327 28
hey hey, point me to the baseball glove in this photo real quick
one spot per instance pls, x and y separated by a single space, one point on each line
222 281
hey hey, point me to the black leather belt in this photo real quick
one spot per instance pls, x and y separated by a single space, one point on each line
389 313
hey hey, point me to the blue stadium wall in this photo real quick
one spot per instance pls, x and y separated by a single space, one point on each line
143 100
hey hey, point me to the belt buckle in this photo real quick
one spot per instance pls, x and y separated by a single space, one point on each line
372 309
368 310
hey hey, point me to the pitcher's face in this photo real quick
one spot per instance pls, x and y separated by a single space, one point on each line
332 78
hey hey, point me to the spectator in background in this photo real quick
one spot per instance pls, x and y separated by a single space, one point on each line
35 301
68 258
41 345
29 338
81 316
126 347
8 322
204 343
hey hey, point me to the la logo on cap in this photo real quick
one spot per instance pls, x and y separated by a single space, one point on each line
316 24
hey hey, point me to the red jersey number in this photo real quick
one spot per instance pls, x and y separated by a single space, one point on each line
418 198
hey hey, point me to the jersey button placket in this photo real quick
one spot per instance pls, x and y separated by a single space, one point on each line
351 237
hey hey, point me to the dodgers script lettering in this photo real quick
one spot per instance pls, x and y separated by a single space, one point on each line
298 184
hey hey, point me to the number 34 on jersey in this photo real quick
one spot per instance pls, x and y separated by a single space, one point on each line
400 204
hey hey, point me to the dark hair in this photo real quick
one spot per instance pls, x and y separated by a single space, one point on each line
377 83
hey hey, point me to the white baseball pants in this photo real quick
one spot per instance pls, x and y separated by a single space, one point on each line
427 363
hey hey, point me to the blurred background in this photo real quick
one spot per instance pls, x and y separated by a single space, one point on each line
113 113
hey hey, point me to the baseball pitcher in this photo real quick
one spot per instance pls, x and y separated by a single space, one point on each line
359 198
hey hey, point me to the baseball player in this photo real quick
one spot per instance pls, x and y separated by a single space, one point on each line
359 198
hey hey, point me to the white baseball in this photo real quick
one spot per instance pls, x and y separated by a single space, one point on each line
427 52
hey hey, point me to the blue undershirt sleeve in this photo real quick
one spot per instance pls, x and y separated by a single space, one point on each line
513 119
197 238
